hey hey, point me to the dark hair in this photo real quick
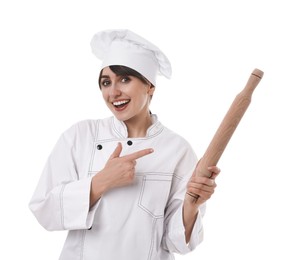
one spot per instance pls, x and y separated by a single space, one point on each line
120 70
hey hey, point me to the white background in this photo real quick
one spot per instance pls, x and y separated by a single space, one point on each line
48 80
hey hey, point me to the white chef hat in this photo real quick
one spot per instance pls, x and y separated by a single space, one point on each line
123 47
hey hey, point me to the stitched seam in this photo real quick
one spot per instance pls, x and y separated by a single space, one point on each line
96 130
115 129
143 138
93 148
102 141
61 205
140 201
158 173
141 198
82 244
178 177
152 239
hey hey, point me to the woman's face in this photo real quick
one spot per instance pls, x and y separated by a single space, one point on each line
126 96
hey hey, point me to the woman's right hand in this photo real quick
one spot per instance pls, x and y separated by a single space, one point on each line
118 171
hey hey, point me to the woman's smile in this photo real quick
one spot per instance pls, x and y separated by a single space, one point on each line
121 104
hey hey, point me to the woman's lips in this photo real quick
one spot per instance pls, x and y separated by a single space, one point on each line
120 105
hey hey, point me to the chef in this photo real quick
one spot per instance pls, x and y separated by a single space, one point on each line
122 186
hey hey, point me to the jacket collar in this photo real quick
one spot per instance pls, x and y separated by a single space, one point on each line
121 128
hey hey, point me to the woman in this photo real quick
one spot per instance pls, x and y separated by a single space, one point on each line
123 186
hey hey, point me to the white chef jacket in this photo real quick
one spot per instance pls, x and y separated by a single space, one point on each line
142 221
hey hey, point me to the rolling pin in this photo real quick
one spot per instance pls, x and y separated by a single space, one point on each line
227 127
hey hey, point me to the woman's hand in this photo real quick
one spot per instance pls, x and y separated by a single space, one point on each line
200 189
118 171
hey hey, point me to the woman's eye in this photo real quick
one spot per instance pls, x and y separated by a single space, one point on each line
105 83
125 79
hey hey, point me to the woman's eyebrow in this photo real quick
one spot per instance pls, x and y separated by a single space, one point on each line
105 76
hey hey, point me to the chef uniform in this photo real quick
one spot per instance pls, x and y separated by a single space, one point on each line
141 221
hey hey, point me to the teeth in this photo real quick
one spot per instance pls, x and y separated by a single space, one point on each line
121 102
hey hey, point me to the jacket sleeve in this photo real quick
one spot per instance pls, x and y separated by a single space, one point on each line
174 231
61 198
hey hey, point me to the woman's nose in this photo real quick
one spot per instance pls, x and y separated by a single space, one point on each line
115 91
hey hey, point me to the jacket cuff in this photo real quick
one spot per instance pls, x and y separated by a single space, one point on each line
177 233
75 205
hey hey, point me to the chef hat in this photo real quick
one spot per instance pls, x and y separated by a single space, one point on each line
123 47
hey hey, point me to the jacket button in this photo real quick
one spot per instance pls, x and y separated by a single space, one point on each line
90 228
99 147
129 142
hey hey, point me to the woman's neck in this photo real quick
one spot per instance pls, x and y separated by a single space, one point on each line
137 127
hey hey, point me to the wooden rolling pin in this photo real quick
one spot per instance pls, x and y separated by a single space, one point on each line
227 127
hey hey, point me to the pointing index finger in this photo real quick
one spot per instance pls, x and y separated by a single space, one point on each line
138 154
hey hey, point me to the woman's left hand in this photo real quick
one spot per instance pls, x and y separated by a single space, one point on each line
202 187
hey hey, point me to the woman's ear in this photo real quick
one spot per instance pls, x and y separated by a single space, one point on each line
151 90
